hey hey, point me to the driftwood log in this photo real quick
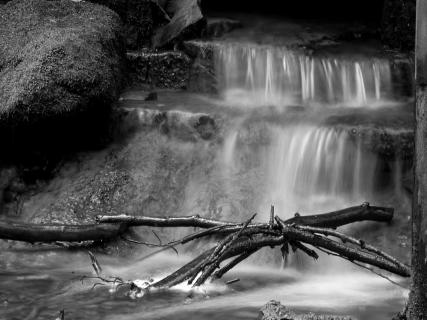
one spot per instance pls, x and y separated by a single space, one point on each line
237 241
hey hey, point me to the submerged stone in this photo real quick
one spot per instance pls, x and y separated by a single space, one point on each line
274 310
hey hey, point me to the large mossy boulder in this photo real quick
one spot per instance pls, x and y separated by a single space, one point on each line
59 61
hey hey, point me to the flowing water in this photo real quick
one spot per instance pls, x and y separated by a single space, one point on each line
263 75
277 147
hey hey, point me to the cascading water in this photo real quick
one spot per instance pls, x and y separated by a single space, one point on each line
259 75
306 163
304 168
303 164
178 161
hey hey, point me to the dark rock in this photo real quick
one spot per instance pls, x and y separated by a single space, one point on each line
217 27
389 144
8 177
402 73
186 22
167 69
140 18
400 316
59 60
144 172
202 72
408 180
179 124
386 132
398 24
152 96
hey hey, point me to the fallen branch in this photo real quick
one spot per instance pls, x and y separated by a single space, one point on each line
32 233
335 219
352 253
339 218
347 239
239 240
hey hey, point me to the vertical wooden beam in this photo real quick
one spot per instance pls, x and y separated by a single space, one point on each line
417 304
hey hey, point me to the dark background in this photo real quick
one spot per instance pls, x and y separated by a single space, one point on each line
337 10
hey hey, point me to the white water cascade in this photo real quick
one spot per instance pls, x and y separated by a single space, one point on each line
302 168
254 75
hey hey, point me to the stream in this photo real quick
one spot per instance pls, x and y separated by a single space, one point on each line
295 129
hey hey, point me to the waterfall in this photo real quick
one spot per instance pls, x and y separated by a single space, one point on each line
258 75
305 167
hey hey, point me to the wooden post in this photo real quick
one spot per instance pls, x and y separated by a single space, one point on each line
417 304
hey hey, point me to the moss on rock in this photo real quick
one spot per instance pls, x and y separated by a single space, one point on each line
139 18
57 56
58 59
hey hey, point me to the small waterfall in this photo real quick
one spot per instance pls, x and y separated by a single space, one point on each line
310 166
257 75
306 168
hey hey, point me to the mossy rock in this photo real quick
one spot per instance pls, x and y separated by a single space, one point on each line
57 59
139 17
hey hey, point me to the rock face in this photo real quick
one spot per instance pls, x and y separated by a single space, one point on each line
139 19
58 59
217 27
398 25
167 69
202 72
186 21
179 124
147 170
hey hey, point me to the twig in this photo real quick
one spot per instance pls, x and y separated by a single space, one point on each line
232 281
95 264
165 247
271 223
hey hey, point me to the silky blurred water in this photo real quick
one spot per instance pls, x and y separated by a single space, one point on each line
56 285
274 146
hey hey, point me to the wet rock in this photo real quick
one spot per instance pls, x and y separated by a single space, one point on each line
402 73
152 96
400 316
408 180
186 22
178 124
59 60
217 27
398 24
202 76
7 178
388 144
140 18
167 69
386 132
274 310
